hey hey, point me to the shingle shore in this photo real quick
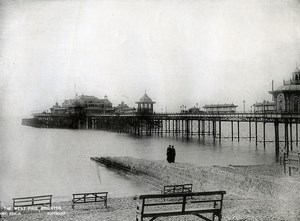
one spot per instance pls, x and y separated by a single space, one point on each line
260 192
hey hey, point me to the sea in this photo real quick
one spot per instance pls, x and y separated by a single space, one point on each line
40 161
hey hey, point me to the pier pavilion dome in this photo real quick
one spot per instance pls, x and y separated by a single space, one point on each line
287 97
145 104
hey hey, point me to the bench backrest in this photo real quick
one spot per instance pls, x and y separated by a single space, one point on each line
183 201
89 197
32 201
182 188
293 158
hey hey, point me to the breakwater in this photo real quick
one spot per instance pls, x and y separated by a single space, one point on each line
263 181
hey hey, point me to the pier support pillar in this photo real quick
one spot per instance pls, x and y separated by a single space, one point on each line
250 130
199 128
291 135
297 133
255 132
276 126
203 128
214 129
187 128
286 136
264 134
231 130
220 129
238 130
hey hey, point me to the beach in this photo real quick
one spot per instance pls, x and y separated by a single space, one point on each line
260 192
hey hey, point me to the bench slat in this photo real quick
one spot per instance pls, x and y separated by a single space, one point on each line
29 197
176 213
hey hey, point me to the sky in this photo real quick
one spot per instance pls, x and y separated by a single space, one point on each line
182 52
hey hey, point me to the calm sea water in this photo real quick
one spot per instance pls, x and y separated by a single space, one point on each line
36 161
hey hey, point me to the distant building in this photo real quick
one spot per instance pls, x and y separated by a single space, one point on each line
124 108
264 107
145 104
56 109
220 108
90 104
193 110
287 97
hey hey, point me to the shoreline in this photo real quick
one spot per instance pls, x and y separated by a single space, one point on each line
254 192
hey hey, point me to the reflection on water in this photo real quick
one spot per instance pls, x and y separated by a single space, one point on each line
57 161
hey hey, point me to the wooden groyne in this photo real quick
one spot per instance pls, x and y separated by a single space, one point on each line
112 164
263 181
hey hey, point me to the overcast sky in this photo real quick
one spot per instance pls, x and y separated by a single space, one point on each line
182 52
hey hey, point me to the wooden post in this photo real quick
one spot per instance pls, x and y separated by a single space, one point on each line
276 138
208 127
203 128
249 130
191 127
255 132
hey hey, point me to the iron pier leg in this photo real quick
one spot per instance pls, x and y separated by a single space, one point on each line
286 136
291 135
220 129
264 134
173 128
249 130
187 128
238 128
199 128
231 130
276 138
297 133
255 132
203 128
182 127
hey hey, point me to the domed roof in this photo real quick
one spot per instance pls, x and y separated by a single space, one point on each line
145 99
289 87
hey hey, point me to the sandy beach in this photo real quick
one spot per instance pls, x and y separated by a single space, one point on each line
261 192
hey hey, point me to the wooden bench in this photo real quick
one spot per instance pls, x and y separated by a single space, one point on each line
200 204
89 198
292 161
182 188
45 200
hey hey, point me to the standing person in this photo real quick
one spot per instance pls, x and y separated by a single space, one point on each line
169 154
173 151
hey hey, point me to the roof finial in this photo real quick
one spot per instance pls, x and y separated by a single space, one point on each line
145 91
296 65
